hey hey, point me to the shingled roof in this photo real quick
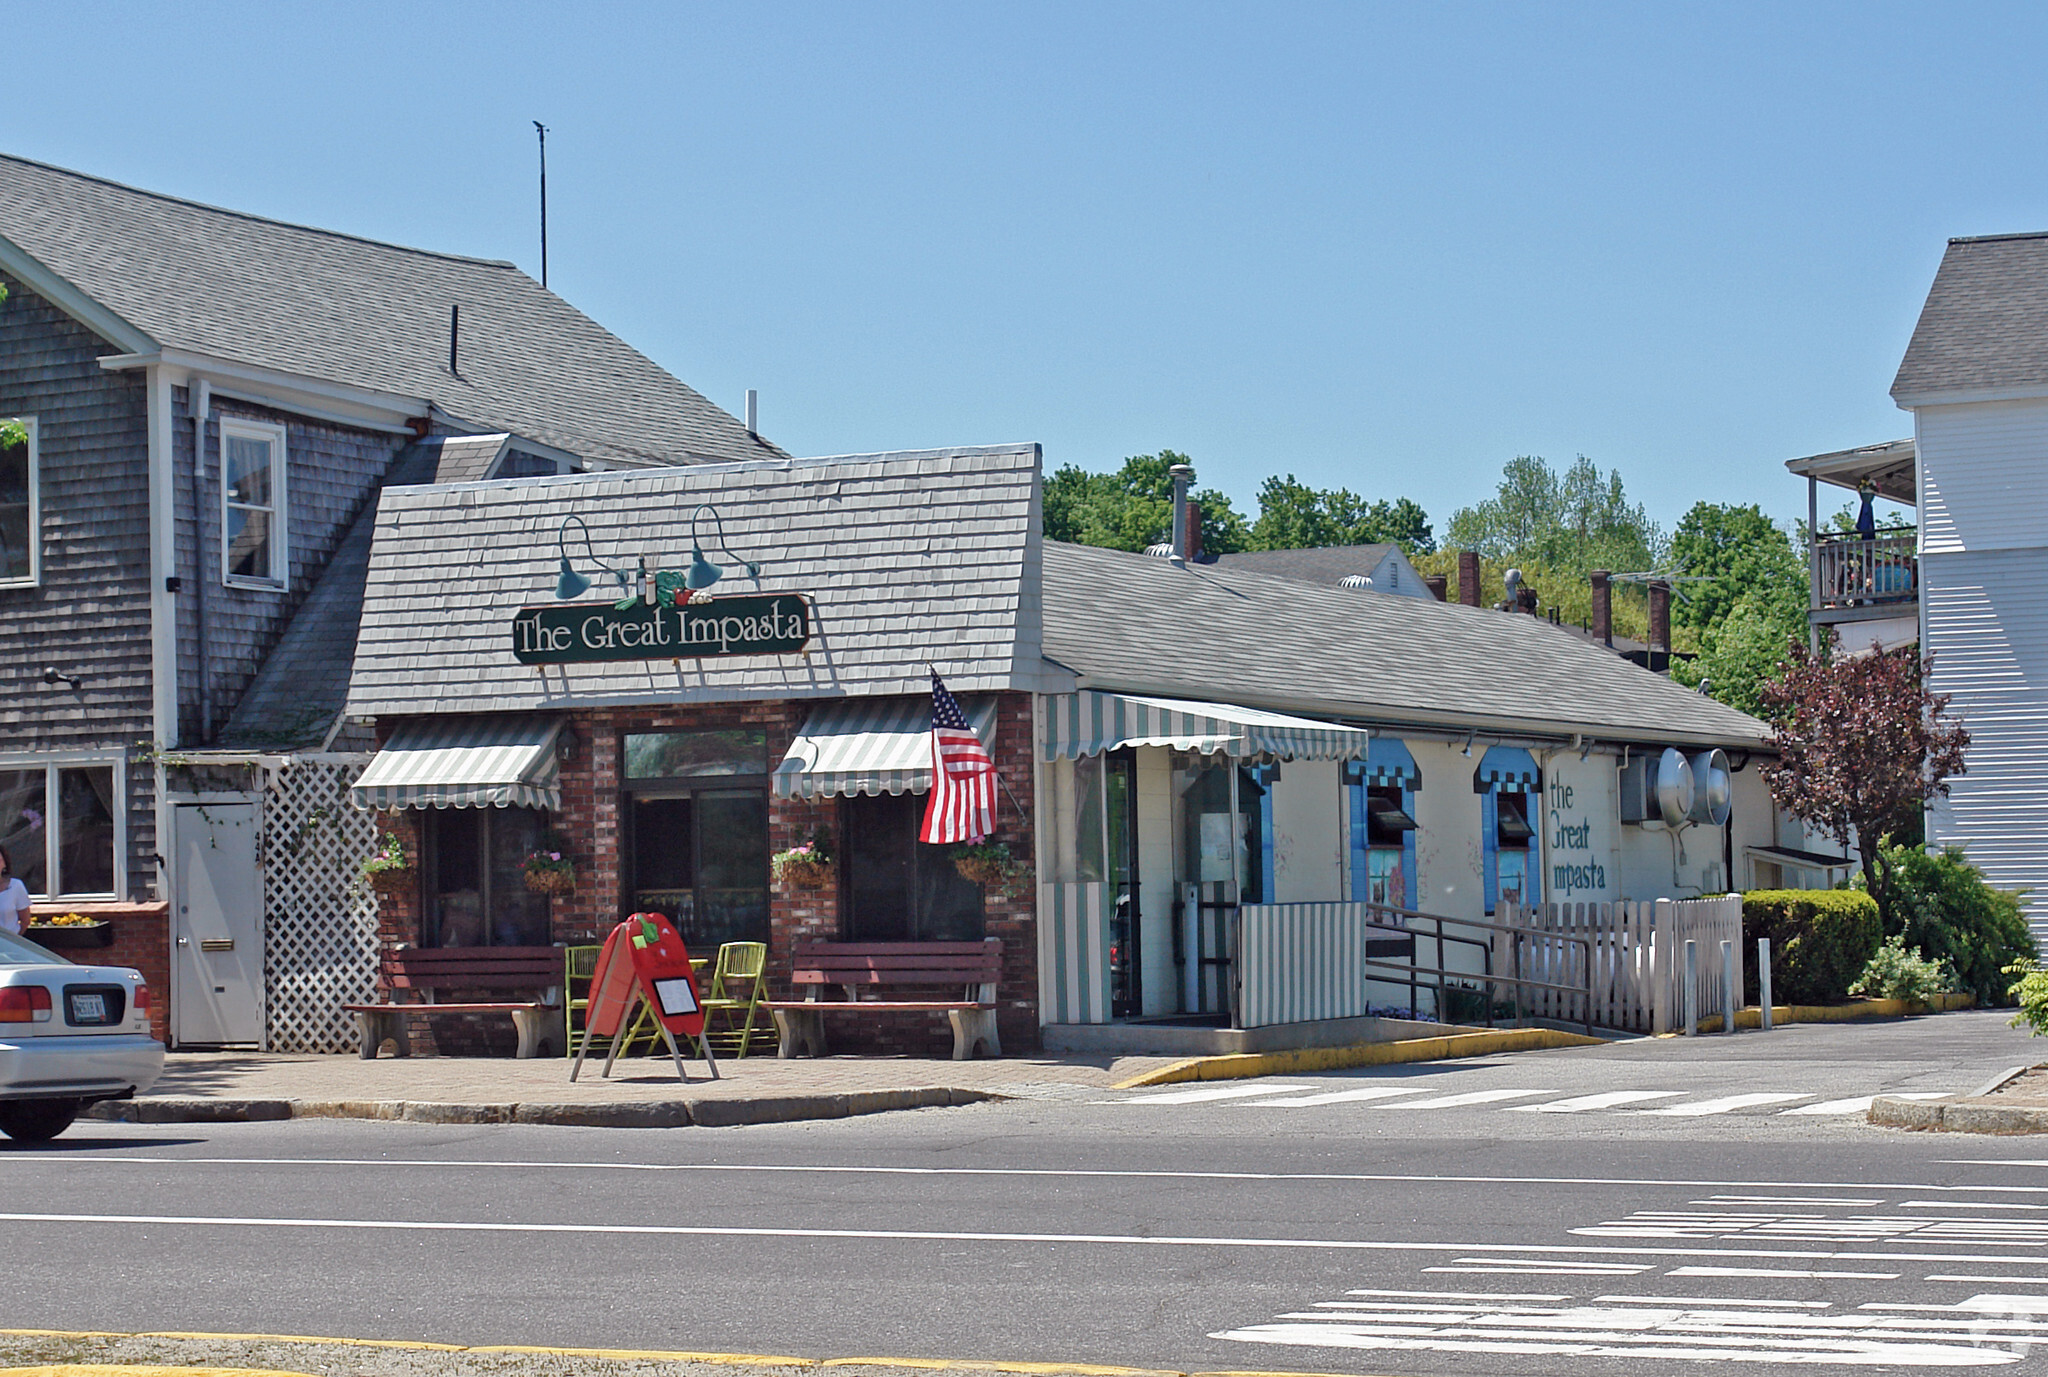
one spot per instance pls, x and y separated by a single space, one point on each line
1985 325
1141 625
908 558
1325 564
333 307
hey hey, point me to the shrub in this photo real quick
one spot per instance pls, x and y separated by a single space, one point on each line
1898 972
1821 939
2030 988
1943 906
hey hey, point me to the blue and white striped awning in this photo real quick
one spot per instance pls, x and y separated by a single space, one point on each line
1090 722
1507 770
1389 766
505 761
870 746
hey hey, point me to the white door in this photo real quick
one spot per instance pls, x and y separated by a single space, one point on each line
217 931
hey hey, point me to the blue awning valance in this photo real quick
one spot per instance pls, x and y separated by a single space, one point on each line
1507 770
1387 766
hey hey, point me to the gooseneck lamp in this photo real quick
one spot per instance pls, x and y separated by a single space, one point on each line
572 585
703 573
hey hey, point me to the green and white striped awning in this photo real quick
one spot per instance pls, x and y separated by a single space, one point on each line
870 746
505 761
1089 722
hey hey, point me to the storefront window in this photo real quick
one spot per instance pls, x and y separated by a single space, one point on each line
476 887
701 860
689 755
57 823
897 888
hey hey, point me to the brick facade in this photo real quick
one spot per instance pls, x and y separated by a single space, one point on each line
592 819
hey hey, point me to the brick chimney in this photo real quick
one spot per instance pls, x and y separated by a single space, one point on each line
1660 625
1438 586
1194 531
1603 606
1468 577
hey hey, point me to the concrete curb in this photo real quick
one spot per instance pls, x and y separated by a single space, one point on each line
1957 1116
1752 1017
1308 1060
705 1113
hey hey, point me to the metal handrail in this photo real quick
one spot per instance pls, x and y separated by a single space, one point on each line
1518 981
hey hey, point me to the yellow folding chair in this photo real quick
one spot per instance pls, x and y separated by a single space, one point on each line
739 982
579 964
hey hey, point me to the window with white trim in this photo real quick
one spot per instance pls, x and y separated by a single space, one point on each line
21 554
60 823
254 513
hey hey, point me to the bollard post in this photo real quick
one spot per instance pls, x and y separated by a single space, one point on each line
1727 987
1689 997
1763 979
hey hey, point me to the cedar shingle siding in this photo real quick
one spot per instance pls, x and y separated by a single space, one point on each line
90 616
332 473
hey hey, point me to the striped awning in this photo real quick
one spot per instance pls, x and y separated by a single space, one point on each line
505 761
1507 770
1389 766
1090 722
870 746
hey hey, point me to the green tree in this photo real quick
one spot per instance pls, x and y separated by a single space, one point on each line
1294 516
1739 554
1573 522
1133 507
1742 651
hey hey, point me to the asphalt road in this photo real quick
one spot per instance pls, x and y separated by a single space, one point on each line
1643 1207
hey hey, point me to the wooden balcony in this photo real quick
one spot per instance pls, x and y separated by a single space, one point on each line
1858 579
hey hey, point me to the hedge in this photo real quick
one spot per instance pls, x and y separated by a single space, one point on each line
1821 939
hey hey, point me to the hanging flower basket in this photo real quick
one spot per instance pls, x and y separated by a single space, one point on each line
61 936
551 882
805 872
982 870
396 879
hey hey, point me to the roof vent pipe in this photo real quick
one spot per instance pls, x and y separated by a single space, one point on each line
454 338
1182 476
753 412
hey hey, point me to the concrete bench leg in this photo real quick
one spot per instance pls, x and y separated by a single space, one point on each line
798 1031
538 1028
971 1026
373 1028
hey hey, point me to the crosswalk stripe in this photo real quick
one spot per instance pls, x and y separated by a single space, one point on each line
1607 1099
1726 1104
1470 1097
1378 1092
1222 1092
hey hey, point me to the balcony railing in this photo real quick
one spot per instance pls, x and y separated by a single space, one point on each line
1850 571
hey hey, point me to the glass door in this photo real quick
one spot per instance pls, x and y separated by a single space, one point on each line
1120 819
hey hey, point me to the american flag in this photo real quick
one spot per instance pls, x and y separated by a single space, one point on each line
962 806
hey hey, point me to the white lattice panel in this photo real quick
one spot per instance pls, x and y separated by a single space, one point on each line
320 923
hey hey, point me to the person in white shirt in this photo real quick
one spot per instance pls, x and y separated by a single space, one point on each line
13 896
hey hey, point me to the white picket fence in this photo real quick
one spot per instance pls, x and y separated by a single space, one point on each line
1628 958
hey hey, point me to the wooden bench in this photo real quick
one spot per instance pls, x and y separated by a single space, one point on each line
426 971
862 967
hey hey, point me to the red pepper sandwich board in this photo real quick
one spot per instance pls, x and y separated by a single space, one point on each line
644 961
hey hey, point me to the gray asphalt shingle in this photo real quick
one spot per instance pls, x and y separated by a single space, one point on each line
1985 323
319 304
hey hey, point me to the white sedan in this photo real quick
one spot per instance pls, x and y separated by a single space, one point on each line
70 1035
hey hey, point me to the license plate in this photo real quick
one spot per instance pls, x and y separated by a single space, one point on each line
88 1008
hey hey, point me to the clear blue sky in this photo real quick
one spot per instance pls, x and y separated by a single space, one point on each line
1380 247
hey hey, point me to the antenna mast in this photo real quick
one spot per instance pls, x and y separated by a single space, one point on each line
542 130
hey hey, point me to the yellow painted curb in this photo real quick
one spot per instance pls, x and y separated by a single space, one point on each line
1752 1017
1308 1060
1038 1369
649 1355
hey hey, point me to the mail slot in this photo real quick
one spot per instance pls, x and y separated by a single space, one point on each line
217 944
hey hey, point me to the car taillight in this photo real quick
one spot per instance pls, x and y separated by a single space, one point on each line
24 1004
141 997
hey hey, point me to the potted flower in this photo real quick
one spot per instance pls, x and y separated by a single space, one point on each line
386 870
70 930
806 866
548 871
989 863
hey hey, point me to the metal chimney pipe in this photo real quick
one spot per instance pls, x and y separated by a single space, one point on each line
1468 577
753 412
1603 606
1182 476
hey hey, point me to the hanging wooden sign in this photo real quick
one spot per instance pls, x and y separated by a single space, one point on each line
585 633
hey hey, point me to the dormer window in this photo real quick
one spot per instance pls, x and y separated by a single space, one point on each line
254 513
